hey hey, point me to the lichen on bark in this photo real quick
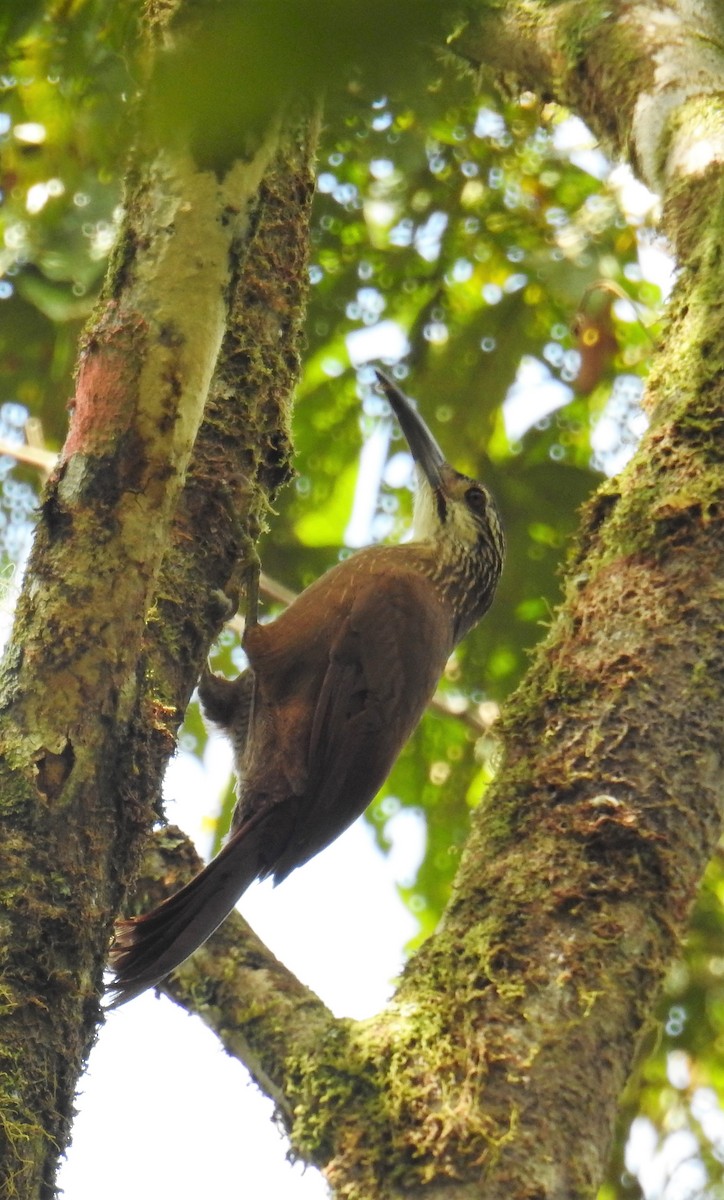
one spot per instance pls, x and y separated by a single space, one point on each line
90 695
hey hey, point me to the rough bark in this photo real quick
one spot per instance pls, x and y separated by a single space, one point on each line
93 683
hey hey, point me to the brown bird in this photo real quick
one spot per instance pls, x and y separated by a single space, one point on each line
335 686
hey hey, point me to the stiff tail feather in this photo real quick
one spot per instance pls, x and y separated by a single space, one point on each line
146 949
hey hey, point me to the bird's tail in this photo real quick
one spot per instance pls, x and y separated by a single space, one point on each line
147 948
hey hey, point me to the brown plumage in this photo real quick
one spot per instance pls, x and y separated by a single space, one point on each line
335 686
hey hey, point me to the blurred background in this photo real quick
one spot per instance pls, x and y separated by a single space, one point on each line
511 278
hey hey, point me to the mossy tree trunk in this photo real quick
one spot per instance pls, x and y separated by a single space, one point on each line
179 420
495 1070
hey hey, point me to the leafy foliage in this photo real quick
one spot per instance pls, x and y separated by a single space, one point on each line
63 123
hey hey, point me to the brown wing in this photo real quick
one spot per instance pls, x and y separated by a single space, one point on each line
341 679
384 663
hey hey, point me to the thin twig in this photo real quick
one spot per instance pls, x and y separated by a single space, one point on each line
33 456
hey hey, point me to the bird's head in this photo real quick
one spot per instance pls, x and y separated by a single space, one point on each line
451 509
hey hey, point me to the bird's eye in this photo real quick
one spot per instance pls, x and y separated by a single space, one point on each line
476 499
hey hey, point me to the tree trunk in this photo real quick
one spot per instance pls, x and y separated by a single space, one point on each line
192 351
496 1068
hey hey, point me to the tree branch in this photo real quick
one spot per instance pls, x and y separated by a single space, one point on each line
85 735
257 1008
583 862
646 78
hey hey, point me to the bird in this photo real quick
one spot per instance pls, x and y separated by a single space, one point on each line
335 686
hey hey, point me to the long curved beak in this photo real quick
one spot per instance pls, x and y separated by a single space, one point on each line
423 447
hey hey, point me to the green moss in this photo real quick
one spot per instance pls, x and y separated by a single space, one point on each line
399 1095
21 1138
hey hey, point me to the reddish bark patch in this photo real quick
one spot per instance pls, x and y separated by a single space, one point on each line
106 394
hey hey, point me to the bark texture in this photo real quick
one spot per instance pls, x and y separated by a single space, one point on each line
93 684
